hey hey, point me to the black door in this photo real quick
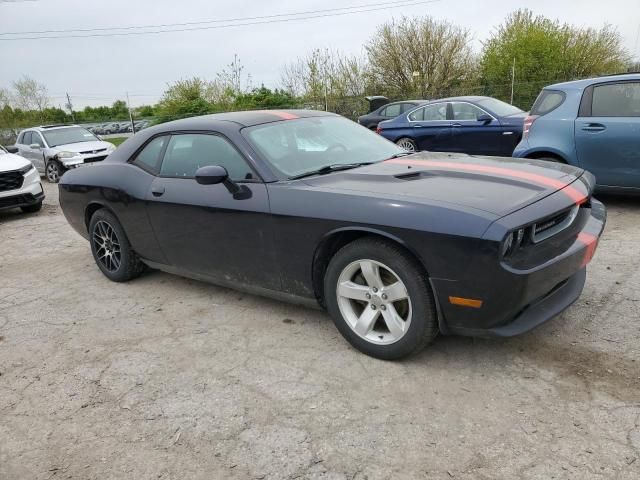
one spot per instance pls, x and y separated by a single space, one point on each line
204 229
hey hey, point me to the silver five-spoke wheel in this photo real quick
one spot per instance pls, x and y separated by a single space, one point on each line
374 301
107 246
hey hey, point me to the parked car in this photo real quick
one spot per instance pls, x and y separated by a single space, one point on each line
473 125
111 128
20 185
593 124
387 112
310 207
54 149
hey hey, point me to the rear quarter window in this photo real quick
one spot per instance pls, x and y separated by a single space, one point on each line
547 101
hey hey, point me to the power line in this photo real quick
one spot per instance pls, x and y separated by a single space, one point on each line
268 19
202 22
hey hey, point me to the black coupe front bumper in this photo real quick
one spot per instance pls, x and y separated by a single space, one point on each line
515 301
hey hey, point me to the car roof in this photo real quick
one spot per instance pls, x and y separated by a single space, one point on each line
580 84
44 128
246 118
464 98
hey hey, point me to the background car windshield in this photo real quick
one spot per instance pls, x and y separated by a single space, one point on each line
2 150
498 107
64 136
307 144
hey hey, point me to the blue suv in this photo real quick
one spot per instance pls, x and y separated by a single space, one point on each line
593 124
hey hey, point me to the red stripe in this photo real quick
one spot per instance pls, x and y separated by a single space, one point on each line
282 115
591 242
576 195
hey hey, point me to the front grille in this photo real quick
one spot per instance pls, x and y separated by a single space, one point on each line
91 152
10 181
94 159
550 226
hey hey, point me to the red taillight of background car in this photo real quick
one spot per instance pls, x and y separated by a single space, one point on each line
378 129
528 122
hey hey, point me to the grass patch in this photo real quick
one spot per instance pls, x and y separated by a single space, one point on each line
116 140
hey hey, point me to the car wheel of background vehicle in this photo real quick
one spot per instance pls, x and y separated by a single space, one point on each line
380 299
408 144
53 171
111 248
36 207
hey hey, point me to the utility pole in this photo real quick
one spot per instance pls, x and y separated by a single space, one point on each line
513 78
70 107
133 128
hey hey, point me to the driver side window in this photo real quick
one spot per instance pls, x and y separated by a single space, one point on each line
188 152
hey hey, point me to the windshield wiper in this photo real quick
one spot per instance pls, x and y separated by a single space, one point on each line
399 154
336 167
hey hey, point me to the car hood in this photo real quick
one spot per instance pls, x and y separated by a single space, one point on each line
9 162
83 146
492 184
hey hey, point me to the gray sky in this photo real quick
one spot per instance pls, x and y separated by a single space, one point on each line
96 71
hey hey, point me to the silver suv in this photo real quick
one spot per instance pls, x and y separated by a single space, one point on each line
53 149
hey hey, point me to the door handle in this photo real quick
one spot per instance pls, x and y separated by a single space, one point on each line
456 124
593 127
417 126
157 190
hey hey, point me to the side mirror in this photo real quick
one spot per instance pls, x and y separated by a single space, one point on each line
484 118
12 149
211 175
35 146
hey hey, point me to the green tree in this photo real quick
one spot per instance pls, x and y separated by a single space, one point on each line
264 98
420 57
186 98
546 51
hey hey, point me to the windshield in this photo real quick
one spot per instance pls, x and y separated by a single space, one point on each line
2 150
64 136
295 147
499 107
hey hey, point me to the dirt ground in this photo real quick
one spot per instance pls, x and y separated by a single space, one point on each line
167 378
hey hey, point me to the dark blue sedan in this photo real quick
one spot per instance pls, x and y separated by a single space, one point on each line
474 125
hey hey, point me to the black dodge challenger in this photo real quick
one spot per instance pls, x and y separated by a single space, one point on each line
310 207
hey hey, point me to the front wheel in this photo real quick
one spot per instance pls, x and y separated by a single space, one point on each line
111 249
380 299
53 171
408 144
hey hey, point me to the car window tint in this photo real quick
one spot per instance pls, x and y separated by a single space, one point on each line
186 153
408 106
149 157
437 111
26 140
465 111
616 100
392 111
35 138
547 101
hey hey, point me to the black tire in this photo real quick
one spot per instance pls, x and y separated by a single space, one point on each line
129 265
423 327
53 170
405 142
36 207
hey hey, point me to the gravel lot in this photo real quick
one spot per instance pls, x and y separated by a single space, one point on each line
167 378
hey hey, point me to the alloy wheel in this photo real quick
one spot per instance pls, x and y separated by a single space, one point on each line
53 173
374 302
107 246
406 144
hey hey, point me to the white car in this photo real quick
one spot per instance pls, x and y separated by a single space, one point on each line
19 183
54 149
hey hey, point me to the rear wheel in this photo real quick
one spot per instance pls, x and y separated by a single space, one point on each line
379 299
111 249
408 144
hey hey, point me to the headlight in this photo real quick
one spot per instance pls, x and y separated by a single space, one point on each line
67 154
512 242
